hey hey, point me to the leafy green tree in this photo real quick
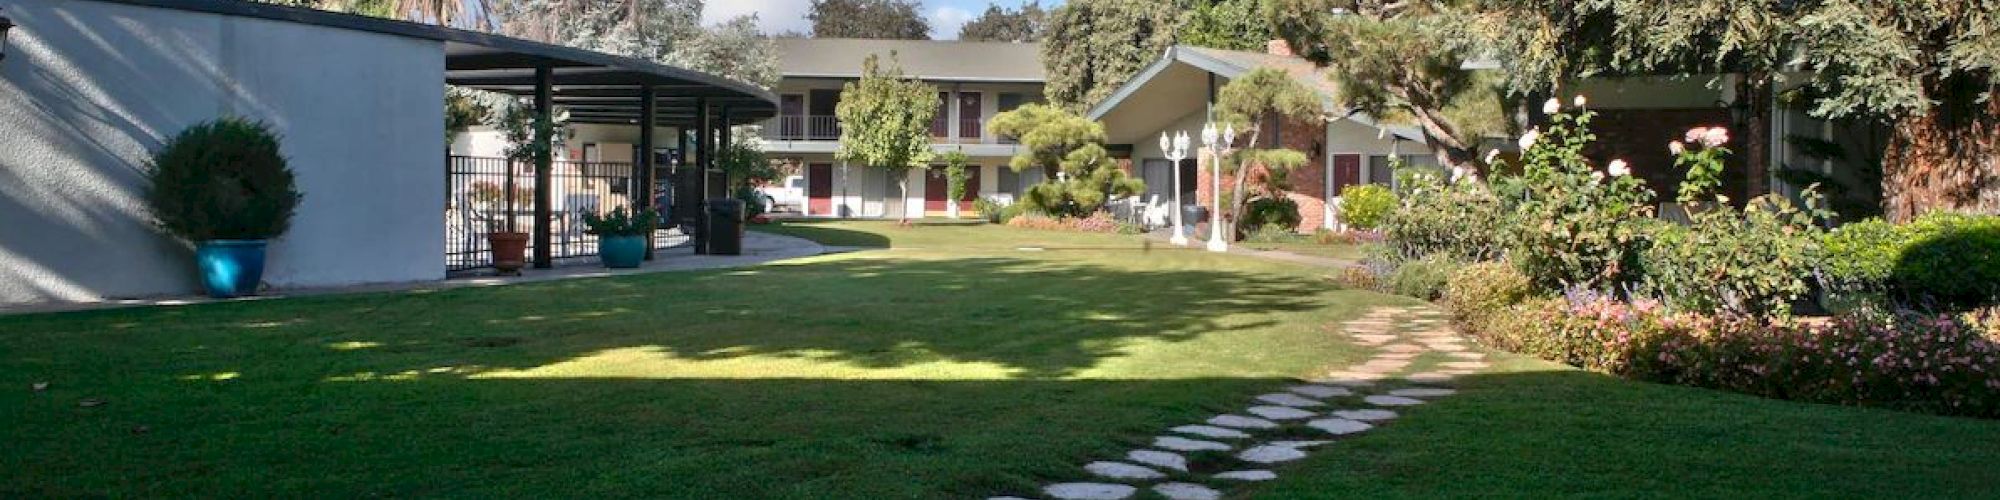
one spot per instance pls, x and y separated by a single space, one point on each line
1001 24
664 31
1250 103
1080 176
886 121
1226 24
954 178
1400 61
1090 47
894 19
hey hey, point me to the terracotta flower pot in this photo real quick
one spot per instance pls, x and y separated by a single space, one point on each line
509 251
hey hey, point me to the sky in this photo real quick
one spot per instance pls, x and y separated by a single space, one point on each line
778 16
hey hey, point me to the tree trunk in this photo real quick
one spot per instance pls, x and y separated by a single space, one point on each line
1753 91
1947 160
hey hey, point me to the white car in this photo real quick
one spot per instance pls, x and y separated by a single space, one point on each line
789 192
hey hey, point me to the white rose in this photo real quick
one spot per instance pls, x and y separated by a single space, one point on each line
1552 106
1676 148
1618 168
1528 139
1579 101
1492 154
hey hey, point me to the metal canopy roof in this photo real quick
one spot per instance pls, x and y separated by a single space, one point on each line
595 87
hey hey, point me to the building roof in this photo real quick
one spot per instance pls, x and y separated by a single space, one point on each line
936 60
598 87
1233 63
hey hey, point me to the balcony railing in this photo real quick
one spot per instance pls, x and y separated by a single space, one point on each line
803 128
968 128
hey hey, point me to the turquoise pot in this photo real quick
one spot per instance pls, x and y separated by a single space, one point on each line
230 268
622 252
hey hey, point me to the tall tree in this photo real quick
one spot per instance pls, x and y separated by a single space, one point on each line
1079 174
1226 24
1000 24
1261 98
1399 60
1091 47
894 19
665 31
886 121
1929 67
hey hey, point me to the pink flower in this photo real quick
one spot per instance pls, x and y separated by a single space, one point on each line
1716 136
1694 135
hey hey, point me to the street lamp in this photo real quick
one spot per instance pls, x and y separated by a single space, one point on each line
1219 145
1176 149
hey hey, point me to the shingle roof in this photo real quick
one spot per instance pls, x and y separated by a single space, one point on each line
925 59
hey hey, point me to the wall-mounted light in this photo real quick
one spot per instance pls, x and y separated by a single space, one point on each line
6 25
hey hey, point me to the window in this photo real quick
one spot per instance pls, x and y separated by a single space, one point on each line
1381 172
1010 182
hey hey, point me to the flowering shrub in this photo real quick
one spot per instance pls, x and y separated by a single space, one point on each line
1462 219
1928 363
1099 222
1365 206
1480 289
1756 261
1573 226
1423 278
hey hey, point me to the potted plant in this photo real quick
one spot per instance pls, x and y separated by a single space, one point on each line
510 248
622 235
223 186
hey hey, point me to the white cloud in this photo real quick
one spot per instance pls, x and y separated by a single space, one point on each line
774 16
945 22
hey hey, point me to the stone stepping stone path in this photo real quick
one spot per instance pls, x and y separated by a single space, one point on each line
1415 351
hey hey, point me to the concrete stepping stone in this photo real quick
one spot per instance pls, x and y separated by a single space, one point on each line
1468 365
1339 426
1423 392
1089 491
1246 475
1374 339
1122 470
1392 401
1268 454
1320 391
1210 431
1429 378
1448 347
1458 371
1157 458
1289 399
1404 348
1356 375
1299 444
1186 491
1388 364
1348 382
1467 355
1279 412
1368 415
1178 443
1398 355
1241 422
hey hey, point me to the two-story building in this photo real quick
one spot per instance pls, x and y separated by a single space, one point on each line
974 80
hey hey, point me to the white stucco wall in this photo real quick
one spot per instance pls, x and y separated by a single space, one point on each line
88 90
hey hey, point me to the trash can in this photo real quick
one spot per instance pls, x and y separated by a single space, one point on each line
723 225
1192 216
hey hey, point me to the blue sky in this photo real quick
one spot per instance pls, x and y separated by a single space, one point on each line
777 16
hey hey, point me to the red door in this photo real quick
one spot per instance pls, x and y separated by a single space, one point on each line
819 188
934 189
1346 172
971 188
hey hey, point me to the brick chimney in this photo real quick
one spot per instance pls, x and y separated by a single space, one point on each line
1279 48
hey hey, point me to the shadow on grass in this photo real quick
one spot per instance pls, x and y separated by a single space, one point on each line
826 233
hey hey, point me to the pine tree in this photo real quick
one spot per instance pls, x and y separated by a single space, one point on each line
1079 174
1249 103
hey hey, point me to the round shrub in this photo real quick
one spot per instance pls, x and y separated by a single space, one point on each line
1271 211
223 180
1364 206
1950 260
1478 290
1423 278
1860 255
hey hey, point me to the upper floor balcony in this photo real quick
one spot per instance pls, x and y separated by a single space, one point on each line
821 134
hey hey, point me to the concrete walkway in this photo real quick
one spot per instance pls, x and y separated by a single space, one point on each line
758 248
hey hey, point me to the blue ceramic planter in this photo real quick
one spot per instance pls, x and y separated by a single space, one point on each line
230 268
622 252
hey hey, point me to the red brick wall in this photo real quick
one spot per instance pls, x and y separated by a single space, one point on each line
1308 182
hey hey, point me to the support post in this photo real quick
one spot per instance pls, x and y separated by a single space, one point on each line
704 159
723 139
544 163
648 114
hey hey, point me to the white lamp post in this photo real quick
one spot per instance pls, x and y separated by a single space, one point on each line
1219 146
1176 149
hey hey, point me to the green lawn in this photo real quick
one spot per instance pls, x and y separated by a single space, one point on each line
950 361
1335 251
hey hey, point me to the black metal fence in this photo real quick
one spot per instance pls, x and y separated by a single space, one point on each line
491 194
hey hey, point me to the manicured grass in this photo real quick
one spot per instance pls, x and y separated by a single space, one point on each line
1336 251
1536 430
951 365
